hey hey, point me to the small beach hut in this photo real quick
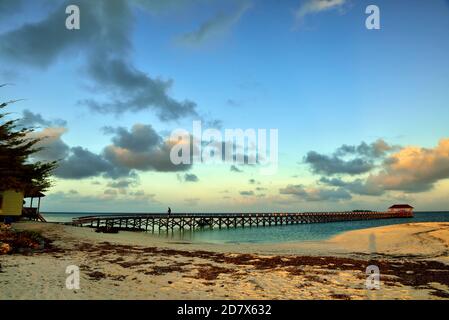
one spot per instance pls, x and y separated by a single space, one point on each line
32 209
401 209
11 202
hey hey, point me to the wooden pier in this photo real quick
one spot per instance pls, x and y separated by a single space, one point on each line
158 222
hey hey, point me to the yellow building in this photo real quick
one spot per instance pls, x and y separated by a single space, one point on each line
11 203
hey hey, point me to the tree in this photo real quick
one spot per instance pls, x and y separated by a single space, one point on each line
17 171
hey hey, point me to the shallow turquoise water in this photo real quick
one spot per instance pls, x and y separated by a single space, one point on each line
275 234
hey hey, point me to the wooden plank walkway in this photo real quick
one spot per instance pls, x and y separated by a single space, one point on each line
153 222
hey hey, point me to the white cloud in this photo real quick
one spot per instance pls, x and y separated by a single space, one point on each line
215 26
316 6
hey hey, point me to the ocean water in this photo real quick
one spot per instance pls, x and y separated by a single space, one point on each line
274 234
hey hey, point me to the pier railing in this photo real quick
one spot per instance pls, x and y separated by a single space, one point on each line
155 221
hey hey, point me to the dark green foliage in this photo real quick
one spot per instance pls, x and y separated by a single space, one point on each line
17 172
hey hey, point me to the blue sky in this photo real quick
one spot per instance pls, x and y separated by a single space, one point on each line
322 79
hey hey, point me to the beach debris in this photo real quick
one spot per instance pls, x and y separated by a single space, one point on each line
119 277
5 248
237 266
12 241
340 296
96 275
440 293
160 270
107 229
130 264
4 226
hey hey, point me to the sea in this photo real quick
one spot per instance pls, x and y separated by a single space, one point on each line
273 234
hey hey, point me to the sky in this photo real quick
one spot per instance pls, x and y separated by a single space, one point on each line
361 114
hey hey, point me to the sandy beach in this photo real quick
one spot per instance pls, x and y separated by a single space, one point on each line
413 261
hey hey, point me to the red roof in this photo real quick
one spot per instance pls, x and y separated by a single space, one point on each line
401 206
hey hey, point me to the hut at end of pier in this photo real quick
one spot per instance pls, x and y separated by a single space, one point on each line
401 210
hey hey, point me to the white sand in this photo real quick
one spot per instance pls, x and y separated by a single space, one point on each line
429 240
42 276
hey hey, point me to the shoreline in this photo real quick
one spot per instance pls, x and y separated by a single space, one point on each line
353 243
131 265
290 234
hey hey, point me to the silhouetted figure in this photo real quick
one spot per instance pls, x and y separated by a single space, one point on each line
169 211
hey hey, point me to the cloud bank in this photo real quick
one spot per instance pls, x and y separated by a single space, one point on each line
104 40
382 168
140 148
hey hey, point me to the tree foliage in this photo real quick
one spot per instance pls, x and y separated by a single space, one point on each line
17 170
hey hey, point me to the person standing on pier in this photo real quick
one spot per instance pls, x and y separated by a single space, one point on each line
169 211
